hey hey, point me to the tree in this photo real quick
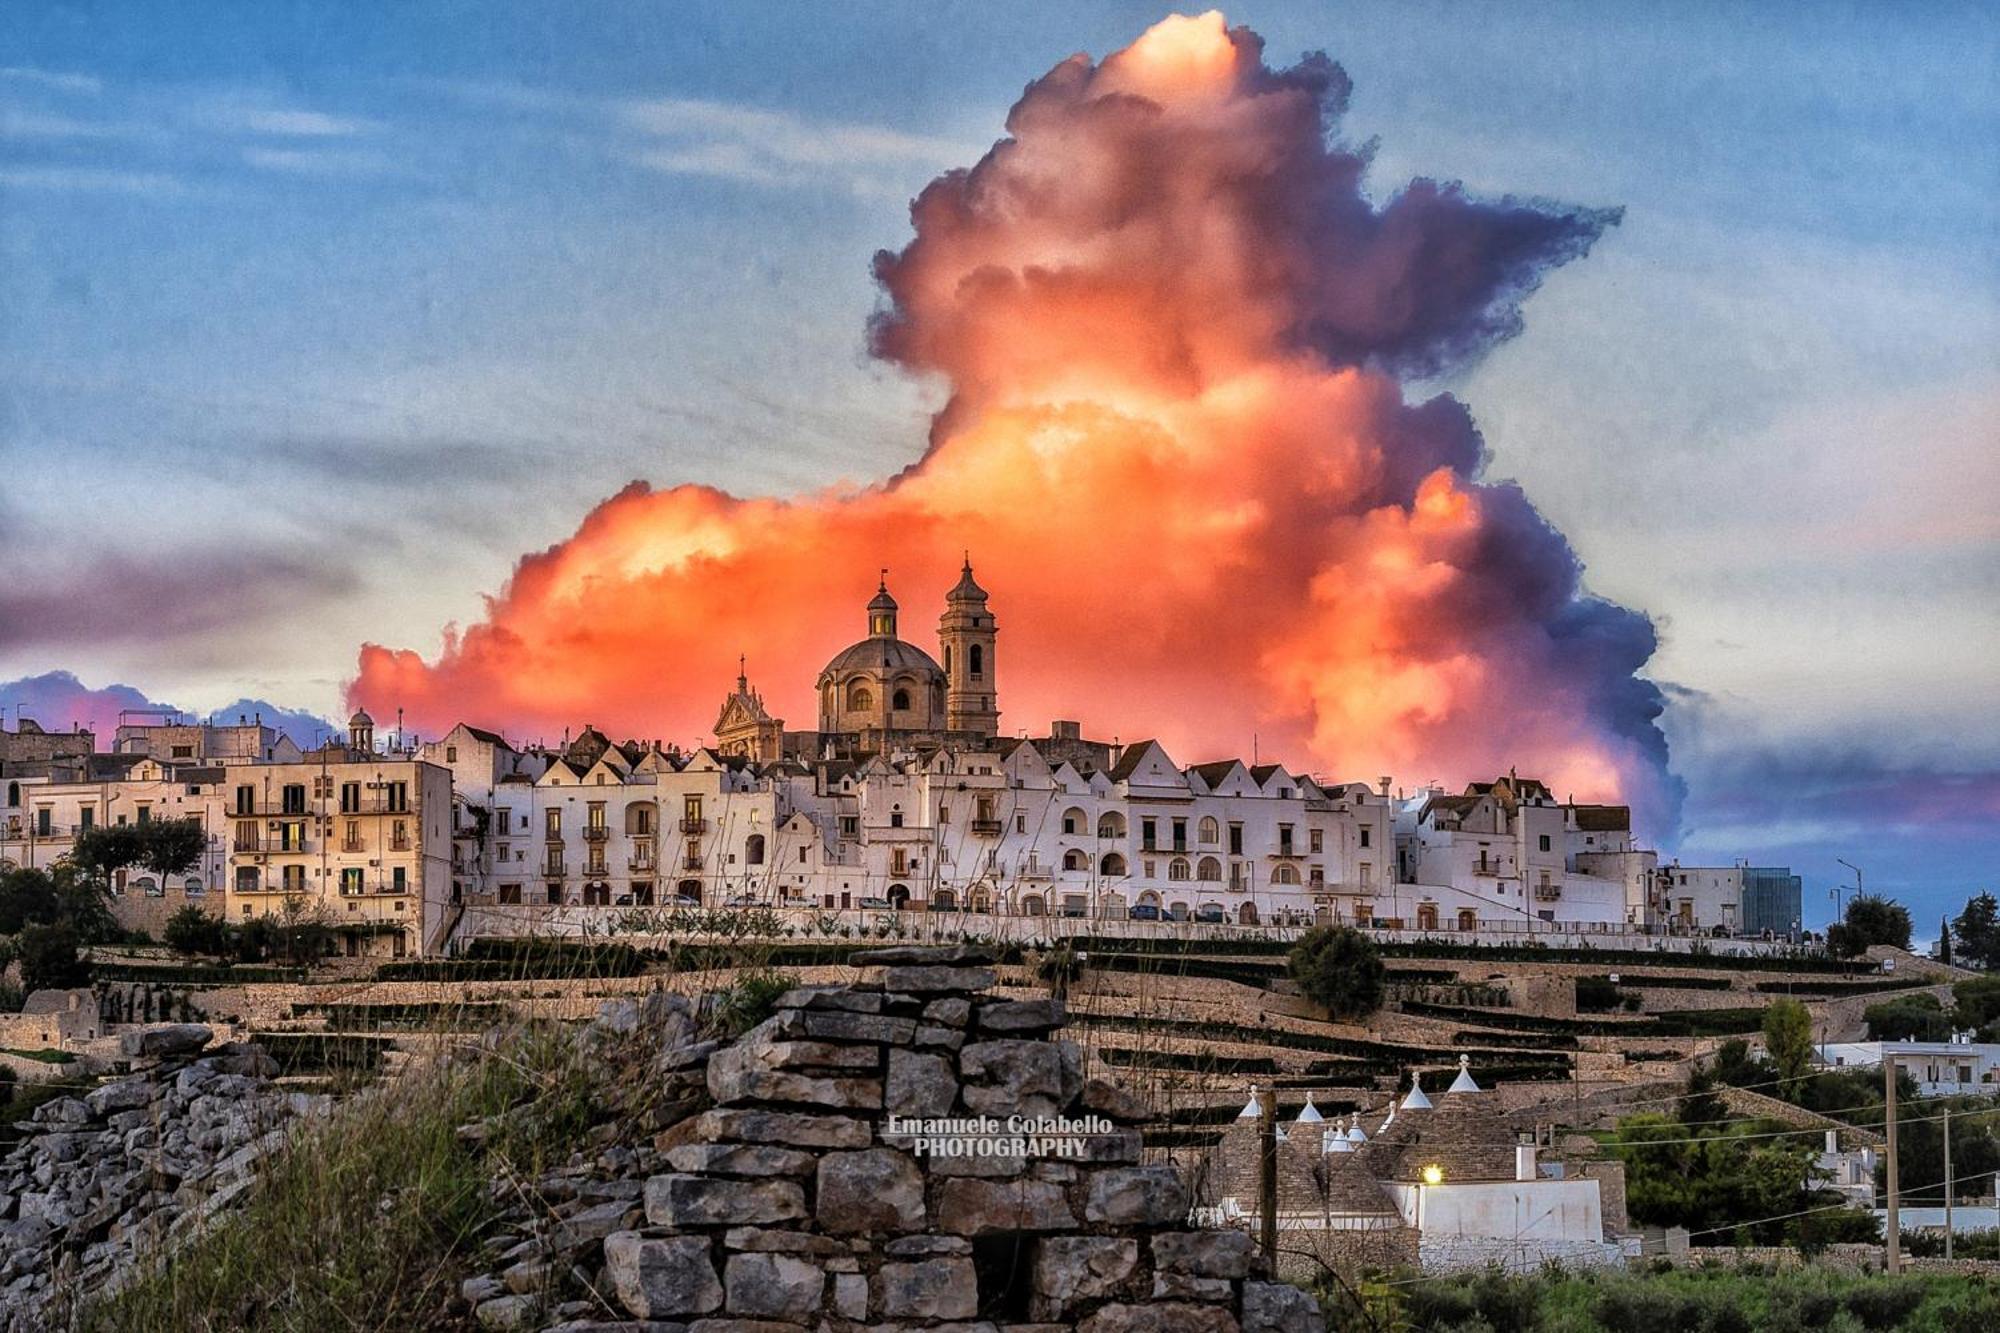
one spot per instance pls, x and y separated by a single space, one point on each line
1788 1039
1869 921
1977 932
1907 1018
50 959
193 931
1944 942
1337 966
27 897
163 846
1975 1003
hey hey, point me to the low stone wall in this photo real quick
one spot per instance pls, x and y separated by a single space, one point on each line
811 1196
1461 1254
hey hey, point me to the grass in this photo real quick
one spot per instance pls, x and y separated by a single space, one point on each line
1696 1300
369 1220
47 1057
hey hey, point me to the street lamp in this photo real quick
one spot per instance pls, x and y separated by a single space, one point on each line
1839 889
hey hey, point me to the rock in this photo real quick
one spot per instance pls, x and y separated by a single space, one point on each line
1018 1016
1183 1287
914 955
166 1039
831 997
740 1159
1075 1268
839 1025
1137 1196
924 980
698 1201
850 1296
930 1289
782 1127
917 1247
588 1225
125 1095
1113 1102
1028 1078
876 1190
1219 1253
1280 1307
773 1286
738 1074
938 1036
483 1288
507 1313
952 1012
919 1086
971 1207
759 1241
672 1275
1163 1317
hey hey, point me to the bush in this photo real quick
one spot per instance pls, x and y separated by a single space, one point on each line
1338 967
1869 921
1597 995
1884 1304
50 959
751 1000
192 931
1911 1018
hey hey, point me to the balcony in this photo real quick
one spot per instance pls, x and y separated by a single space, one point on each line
694 827
986 828
640 863
403 844
690 863
1286 852
353 845
1548 893
554 837
597 833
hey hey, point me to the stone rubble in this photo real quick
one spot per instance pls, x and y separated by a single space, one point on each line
133 1167
777 1202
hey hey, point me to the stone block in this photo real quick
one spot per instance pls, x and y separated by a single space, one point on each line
1021 1016
1137 1196
781 1127
1113 1102
671 1275
1280 1307
919 1085
938 1037
972 1207
739 1074
926 980
1013 1077
952 1011
505 1314
1220 1253
1186 1287
740 1159
876 1190
1081 1268
840 1025
165 1039
760 1241
850 1296
831 997
1160 1317
773 1286
918 1247
944 1288
699 1201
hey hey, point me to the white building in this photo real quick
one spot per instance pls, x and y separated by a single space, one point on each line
1939 1068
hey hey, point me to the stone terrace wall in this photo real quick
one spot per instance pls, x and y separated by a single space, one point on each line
792 1205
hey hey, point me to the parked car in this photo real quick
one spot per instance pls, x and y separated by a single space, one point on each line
877 904
1074 912
1209 914
685 904
741 900
1143 912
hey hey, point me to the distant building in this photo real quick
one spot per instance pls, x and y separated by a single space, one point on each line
1939 1068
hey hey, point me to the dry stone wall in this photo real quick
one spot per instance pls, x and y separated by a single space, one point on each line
803 1199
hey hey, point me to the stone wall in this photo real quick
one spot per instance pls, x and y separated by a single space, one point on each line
1462 1254
802 1200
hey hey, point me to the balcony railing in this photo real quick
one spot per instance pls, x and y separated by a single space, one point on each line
355 845
989 828
690 863
694 826
289 847
597 833
639 863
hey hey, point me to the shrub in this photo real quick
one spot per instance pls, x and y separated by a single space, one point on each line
1911 1018
1631 1307
1884 1304
1338 967
1597 995
750 1001
50 960
192 931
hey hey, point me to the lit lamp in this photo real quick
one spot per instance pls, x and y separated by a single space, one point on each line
1433 1174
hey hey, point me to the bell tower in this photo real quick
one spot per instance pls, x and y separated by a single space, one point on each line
966 633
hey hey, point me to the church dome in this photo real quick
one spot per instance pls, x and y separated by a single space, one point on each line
880 655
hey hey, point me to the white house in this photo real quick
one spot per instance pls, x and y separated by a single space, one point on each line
1939 1068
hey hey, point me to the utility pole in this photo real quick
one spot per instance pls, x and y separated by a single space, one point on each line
1267 1175
1947 1182
1893 1235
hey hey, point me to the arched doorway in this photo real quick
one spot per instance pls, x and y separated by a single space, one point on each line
1032 905
899 897
1468 919
1322 916
1427 916
1112 864
689 889
944 900
982 899
1246 915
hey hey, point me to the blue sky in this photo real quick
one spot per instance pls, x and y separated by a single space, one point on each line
314 317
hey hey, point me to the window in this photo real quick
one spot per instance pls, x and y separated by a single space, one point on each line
145 814
451 754
1208 830
44 822
1072 821
1073 859
397 796
1365 835
183 752
1367 875
1209 870
896 818
1235 839
14 794
191 887
944 813
294 798
850 826
246 880
859 700
552 825
1114 864
1285 873
1180 835
350 798
246 800
399 879
292 835
1543 842
1177 868
295 879
1315 841
978 660
350 881
900 700
89 816
147 885
1149 834
1284 839
753 849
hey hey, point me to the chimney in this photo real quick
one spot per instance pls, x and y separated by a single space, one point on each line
1383 783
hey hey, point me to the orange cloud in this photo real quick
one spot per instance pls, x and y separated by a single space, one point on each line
1178 448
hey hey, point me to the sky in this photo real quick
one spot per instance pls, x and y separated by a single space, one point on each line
315 318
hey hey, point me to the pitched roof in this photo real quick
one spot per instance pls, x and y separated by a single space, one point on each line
1215 770
1604 818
